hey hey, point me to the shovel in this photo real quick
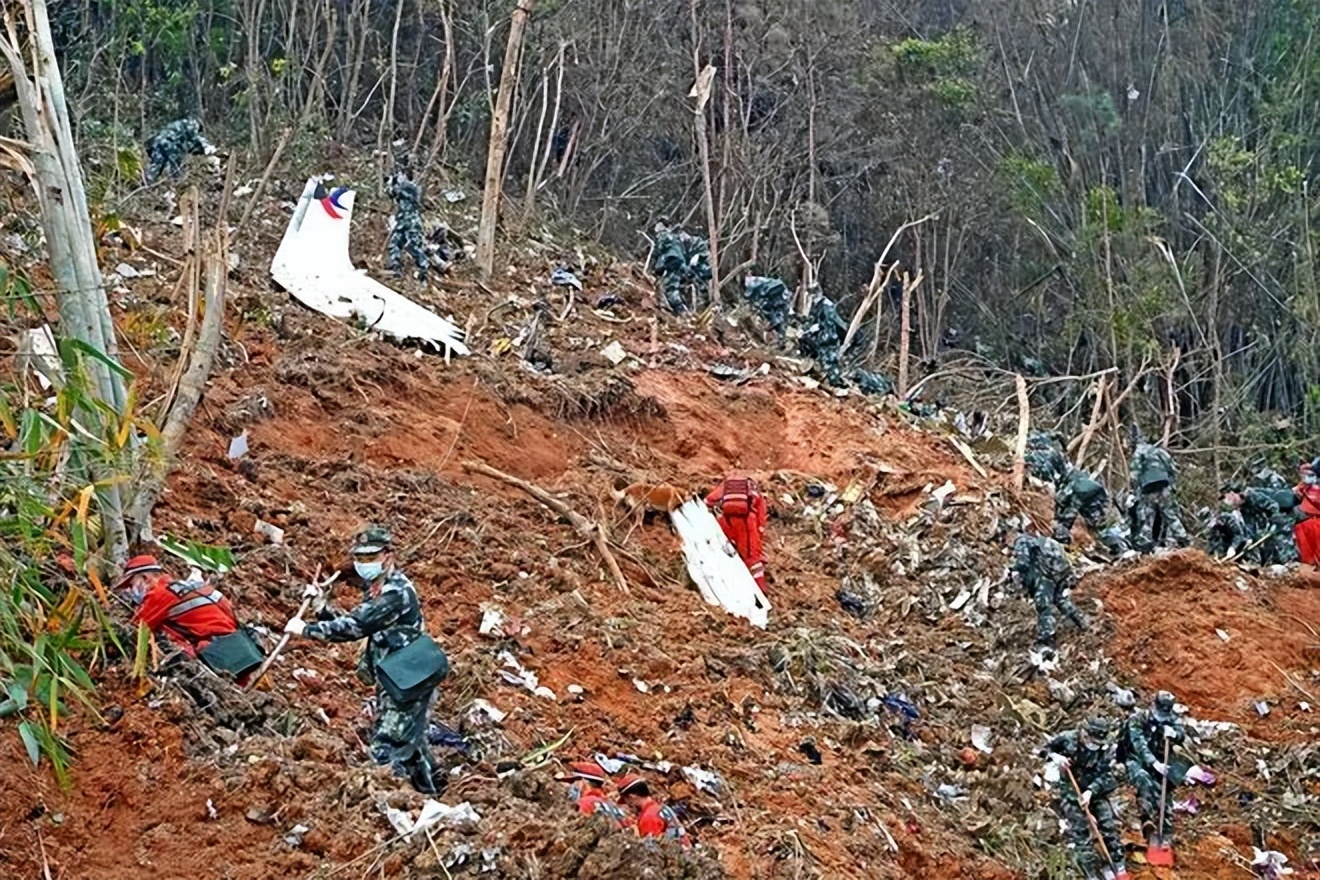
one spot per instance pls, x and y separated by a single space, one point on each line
284 640
1090 820
1158 852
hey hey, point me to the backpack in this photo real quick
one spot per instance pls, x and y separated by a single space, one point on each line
737 497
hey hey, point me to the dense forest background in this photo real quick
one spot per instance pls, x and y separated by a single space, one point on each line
1114 183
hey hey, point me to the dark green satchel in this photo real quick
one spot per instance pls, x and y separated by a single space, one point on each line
412 671
236 653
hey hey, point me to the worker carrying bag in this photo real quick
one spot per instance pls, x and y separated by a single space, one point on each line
412 671
233 654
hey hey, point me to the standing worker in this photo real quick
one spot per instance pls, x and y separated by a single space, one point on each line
406 234
1155 512
1147 740
1042 568
742 513
399 657
1086 780
586 788
1307 530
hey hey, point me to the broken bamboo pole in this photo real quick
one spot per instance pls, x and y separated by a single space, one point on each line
583 526
1024 424
1097 410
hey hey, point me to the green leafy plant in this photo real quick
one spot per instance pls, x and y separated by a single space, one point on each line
54 620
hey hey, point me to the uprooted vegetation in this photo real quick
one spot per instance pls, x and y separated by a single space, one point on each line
842 737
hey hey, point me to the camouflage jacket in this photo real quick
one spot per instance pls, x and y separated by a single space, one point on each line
1259 510
407 196
1092 768
183 136
1149 457
1044 458
389 618
825 328
1143 737
1036 557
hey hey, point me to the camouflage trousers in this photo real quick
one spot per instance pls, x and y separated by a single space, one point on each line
827 359
1095 513
1047 596
1080 837
671 282
1147 783
163 157
1158 507
407 238
1279 547
399 739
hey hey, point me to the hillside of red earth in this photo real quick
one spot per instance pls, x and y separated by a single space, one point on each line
819 768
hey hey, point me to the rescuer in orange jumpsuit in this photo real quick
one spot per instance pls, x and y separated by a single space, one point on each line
654 819
1307 532
587 788
742 513
190 613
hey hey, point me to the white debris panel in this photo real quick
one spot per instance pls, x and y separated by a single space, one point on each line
313 264
714 566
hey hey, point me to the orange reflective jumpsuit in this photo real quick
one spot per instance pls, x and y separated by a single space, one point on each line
1307 532
190 613
742 512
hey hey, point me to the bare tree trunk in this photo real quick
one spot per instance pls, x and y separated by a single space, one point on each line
904 336
57 176
386 135
499 124
1024 425
701 91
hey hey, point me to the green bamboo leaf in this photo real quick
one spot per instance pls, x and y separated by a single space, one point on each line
29 738
207 557
68 348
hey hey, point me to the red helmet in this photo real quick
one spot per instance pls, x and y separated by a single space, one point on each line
588 770
634 785
138 565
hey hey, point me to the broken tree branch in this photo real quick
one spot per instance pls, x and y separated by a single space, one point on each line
1093 425
874 293
583 526
1024 424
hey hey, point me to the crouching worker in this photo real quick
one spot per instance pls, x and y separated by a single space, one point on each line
654 819
586 788
403 662
193 615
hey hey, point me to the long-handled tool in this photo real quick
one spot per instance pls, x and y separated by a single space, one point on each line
1158 852
1090 820
284 640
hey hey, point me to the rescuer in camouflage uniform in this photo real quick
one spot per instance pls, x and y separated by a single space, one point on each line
823 337
389 618
679 260
1153 476
771 298
1260 517
1044 571
406 234
1141 748
1044 458
1080 494
1225 531
1087 753
168 147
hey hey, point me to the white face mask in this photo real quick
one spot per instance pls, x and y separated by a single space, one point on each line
137 593
369 571
1311 479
